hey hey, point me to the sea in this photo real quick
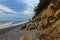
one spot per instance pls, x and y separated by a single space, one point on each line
6 24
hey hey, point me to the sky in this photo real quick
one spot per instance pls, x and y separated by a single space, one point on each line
17 9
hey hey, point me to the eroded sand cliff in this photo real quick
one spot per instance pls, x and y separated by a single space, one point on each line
46 20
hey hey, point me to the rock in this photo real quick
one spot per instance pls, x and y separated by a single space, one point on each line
26 38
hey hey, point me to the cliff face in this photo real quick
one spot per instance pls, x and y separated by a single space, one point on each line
46 20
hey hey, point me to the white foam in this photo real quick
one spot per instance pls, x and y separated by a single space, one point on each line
10 24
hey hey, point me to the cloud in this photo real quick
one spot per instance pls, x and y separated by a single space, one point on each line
8 13
30 7
31 3
6 9
28 12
